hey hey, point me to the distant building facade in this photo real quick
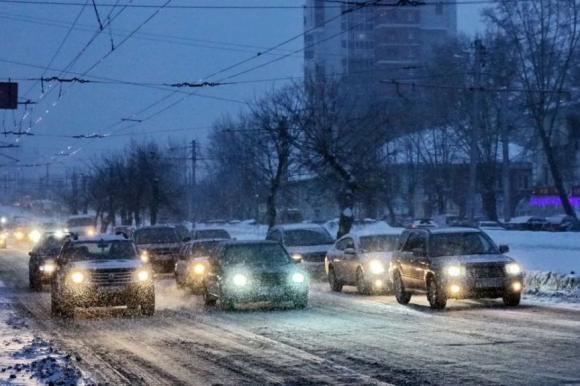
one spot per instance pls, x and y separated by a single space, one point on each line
373 43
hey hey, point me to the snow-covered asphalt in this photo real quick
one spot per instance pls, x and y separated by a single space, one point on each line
338 339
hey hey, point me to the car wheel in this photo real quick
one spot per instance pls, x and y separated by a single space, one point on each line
301 301
362 286
512 300
401 295
335 285
67 311
208 299
148 303
34 282
437 298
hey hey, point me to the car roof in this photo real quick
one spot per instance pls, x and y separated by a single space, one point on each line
448 230
98 238
229 243
156 227
203 241
299 226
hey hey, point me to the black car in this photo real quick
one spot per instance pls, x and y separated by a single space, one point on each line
251 271
160 245
210 233
101 272
41 265
459 263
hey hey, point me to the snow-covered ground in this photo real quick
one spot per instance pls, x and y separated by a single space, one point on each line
29 359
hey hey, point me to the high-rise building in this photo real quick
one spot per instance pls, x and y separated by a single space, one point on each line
366 44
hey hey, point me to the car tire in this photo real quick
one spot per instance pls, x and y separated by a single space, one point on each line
436 297
208 299
402 296
148 303
512 300
34 282
335 284
301 301
67 311
362 286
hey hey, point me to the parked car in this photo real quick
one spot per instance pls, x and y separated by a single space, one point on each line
424 223
459 263
210 233
160 245
527 223
561 223
192 267
361 260
82 225
490 225
98 272
124 230
250 271
41 265
304 242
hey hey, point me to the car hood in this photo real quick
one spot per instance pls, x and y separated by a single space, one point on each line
307 249
107 264
159 246
383 256
280 269
471 259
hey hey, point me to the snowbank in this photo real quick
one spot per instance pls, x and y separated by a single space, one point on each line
553 285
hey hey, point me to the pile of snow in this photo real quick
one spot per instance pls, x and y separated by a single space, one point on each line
244 230
553 285
27 359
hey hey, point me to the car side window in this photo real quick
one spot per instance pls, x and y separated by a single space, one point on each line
349 243
341 244
275 235
414 241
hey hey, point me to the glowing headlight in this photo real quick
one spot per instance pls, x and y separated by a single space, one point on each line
240 280
513 269
144 256
455 289
59 234
34 236
297 257
91 232
143 275
199 268
3 220
77 277
18 235
298 278
48 267
376 267
454 271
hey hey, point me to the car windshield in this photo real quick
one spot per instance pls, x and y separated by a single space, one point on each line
302 237
379 243
203 249
212 234
455 244
156 236
256 255
80 222
50 245
101 250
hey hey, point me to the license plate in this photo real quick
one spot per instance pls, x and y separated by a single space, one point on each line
489 283
269 292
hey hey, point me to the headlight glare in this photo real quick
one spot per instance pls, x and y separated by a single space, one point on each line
199 268
376 267
297 257
144 255
143 275
513 269
48 267
298 278
77 277
240 280
34 236
454 271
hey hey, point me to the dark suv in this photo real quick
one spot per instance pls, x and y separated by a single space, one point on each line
458 263
160 245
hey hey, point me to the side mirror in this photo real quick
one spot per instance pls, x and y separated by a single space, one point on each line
504 249
419 253
350 251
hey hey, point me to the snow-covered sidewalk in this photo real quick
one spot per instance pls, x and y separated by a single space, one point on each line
26 358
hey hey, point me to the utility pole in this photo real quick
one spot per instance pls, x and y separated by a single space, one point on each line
192 210
474 138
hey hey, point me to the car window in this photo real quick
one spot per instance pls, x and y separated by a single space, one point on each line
303 237
212 234
275 235
156 235
256 254
415 241
204 249
101 250
455 244
381 243
341 244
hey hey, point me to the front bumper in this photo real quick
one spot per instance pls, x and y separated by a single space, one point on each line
477 288
274 294
90 296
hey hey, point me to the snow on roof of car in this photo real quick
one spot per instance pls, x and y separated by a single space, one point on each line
306 226
248 242
436 231
523 219
159 226
97 238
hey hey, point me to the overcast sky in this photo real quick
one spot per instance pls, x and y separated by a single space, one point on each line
174 46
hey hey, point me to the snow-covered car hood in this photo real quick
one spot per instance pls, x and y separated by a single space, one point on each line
382 256
323 248
288 268
158 246
107 264
470 259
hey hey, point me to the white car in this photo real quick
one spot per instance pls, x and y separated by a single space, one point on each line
361 260
304 242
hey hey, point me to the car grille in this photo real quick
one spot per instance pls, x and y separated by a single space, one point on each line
112 277
164 251
485 271
271 279
314 257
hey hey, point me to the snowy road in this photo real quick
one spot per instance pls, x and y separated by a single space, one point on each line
339 338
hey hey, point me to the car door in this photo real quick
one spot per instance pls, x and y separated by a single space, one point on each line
350 261
336 256
181 264
418 261
407 259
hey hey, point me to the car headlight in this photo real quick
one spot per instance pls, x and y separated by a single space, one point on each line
59 234
91 232
513 268
3 220
376 267
77 277
143 275
454 271
34 236
298 278
297 257
144 255
240 280
48 267
18 235
199 268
